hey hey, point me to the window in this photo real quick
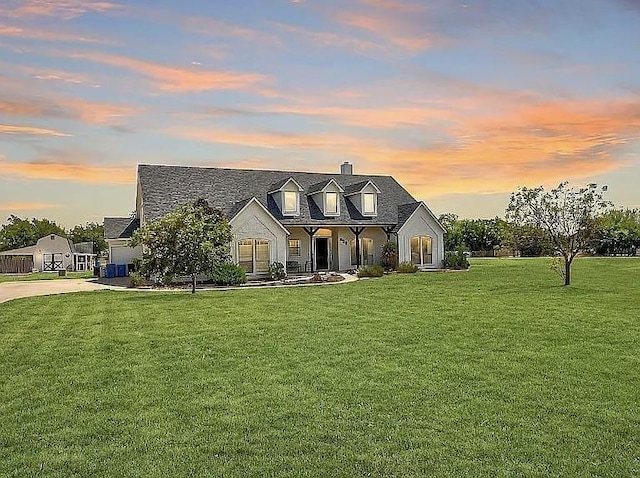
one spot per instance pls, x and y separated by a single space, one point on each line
294 247
245 255
290 202
369 204
262 256
366 251
330 203
426 250
421 250
253 255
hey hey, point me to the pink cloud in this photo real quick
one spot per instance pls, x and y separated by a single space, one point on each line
179 80
63 171
26 206
47 35
67 108
29 131
66 9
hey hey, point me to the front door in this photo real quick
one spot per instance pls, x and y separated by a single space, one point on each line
322 253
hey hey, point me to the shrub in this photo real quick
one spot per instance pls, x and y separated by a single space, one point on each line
136 279
389 256
456 260
371 271
277 271
407 268
229 274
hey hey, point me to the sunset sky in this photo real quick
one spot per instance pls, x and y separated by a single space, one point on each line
461 101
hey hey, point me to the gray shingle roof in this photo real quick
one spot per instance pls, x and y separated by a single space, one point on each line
120 227
404 213
356 187
164 188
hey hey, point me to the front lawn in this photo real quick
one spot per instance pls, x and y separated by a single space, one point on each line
499 371
45 276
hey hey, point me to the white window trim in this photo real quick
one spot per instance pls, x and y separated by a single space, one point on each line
253 253
375 205
324 197
290 212
420 247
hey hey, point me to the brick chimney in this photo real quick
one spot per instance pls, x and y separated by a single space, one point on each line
346 168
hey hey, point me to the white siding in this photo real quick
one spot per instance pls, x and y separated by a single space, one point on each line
421 223
53 244
121 253
254 222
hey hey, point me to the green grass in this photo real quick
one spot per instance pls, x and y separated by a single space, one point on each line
44 276
499 371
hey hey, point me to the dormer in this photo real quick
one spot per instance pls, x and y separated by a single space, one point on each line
327 196
286 194
364 196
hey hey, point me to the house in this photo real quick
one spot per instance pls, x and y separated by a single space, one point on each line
308 221
50 254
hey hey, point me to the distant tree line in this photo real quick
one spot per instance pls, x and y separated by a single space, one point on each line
615 232
20 232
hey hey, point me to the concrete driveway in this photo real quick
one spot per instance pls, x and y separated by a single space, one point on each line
17 289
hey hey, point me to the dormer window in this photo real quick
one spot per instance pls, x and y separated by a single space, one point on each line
291 203
364 196
331 204
326 195
286 194
369 204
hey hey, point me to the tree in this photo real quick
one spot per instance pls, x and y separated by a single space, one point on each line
90 232
529 241
618 232
452 231
566 215
24 232
191 241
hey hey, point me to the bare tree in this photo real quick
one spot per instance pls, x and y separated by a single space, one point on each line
564 213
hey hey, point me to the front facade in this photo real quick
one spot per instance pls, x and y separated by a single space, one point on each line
54 253
308 221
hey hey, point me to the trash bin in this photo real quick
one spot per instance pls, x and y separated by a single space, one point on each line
122 270
111 271
62 273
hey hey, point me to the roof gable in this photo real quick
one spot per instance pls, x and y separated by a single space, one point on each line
120 227
251 201
361 186
406 212
282 185
324 186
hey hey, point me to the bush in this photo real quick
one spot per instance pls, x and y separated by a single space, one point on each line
456 260
136 279
389 256
277 271
371 271
229 274
407 268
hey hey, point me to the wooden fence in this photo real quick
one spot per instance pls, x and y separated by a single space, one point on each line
16 264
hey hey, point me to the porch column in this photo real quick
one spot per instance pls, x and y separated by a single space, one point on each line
388 231
357 231
311 231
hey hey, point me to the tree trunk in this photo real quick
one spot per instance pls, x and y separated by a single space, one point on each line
193 284
567 271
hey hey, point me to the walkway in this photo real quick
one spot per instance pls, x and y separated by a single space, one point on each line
30 288
19 289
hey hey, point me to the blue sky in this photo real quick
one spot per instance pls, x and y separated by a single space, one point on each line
461 101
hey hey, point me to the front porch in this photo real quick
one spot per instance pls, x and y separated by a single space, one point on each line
341 248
